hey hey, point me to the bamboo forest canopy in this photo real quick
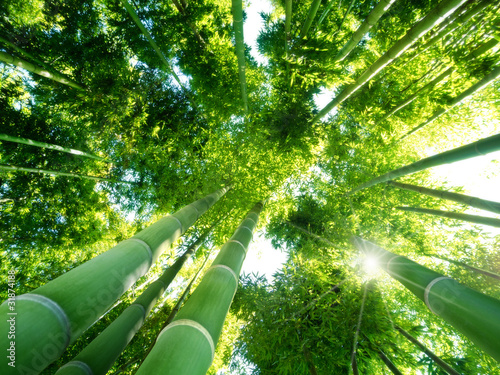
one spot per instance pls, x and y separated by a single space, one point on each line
115 114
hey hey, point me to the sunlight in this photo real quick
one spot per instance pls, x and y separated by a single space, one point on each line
371 265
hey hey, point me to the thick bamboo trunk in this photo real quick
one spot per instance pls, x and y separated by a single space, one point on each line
433 18
310 18
391 366
438 361
482 204
472 268
237 10
454 215
101 353
54 315
28 55
472 313
58 77
187 345
30 142
482 147
14 168
486 81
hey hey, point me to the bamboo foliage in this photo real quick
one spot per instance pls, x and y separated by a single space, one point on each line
101 353
31 142
455 215
470 312
433 18
55 76
187 345
237 10
482 147
54 315
369 22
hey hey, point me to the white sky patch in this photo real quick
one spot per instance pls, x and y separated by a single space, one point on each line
323 98
254 24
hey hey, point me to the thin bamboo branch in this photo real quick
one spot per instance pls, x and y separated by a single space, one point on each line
455 215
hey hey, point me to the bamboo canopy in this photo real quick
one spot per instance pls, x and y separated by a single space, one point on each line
54 315
482 147
470 312
187 345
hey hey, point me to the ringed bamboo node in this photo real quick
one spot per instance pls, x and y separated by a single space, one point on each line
195 325
178 221
54 308
249 218
242 246
390 261
146 246
251 231
477 150
428 290
197 212
141 308
227 269
80 365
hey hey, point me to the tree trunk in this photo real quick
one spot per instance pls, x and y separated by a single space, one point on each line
30 142
14 168
454 215
57 313
482 204
486 81
58 77
472 268
472 313
237 9
103 351
482 147
433 18
187 345
391 366
310 18
438 361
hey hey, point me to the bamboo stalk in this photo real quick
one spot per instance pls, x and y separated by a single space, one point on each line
482 147
31 142
237 9
470 312
25 53
433 18
187 345
54 315
455 215
472 268
58 77
438 361
390 365
482 204
310 18
288 22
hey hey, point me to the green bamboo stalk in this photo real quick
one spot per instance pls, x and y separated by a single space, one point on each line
288 22
187 345
181 9
470 312
237 10
482 204
28 55
368 23
486 81
433 18
58 77
310 18
390 365
482 147
438 361
103 351
54 315
14 168
326 11
472 268
131 11
455 215
30 142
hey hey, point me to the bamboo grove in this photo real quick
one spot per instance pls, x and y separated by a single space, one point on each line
145 145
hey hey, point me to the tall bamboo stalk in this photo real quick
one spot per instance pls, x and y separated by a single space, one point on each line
28 55
103 351
14 168
482 204
455 215
181 9
55 76
390 365
237 9
472 268
471 312
367 24
438 361
486 81
187 345
433 18
31 142
54 315
310 18
288 38
482 147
